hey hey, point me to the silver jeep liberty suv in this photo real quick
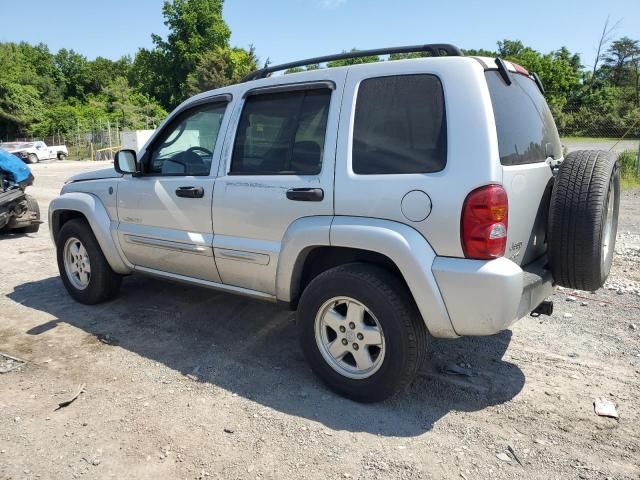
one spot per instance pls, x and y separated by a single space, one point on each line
387 202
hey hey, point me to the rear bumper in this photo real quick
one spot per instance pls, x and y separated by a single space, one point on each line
486 297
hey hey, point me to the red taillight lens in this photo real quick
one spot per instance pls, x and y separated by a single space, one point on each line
520 69
484 223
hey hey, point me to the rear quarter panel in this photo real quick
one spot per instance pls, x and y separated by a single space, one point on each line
472 153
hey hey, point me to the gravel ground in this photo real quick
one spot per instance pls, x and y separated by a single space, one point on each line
182 382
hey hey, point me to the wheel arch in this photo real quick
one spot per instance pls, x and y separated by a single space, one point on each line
317 259
315 244
89 208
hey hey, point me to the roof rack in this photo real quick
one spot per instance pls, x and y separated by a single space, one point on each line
435 49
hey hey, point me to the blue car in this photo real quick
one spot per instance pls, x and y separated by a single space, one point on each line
18 211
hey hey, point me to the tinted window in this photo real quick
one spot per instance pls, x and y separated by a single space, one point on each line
525 126
400 126
282 133
186 146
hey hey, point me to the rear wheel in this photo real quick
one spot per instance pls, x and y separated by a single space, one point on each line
360 332
84 270
32 158
583 219
62 156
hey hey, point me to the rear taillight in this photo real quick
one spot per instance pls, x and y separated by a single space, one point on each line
484 222
520 69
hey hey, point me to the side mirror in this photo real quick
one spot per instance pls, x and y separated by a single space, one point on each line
126 162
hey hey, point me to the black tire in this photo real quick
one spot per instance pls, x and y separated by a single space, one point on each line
32 158
579 254
62 156
405 335
32 205
104 283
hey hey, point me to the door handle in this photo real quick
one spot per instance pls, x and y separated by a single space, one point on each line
190 192
305 194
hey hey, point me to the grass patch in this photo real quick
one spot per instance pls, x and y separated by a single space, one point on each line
629 169
630 183
591 139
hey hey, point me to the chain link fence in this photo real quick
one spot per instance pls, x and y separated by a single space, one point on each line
99 143
592 127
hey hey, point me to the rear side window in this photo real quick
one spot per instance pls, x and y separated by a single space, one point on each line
400 126
282 133
525 126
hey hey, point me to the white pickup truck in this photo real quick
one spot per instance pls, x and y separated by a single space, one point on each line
33 152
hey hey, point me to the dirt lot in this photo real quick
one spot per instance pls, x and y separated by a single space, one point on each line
187 383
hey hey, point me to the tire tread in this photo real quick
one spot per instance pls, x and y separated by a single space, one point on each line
576 218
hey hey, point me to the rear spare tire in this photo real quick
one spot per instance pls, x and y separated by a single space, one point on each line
583 219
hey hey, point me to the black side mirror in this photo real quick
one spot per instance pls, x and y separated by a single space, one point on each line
126 161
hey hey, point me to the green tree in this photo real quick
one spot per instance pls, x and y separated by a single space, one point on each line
619 58
195 28
220 67
74 69
480 52
102 71
27 84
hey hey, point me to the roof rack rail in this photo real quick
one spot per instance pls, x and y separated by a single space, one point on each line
436 49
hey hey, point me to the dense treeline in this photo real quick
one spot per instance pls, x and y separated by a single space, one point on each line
44 93
602 102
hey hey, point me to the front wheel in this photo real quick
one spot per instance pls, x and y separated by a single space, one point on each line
84 270
32 158
360 332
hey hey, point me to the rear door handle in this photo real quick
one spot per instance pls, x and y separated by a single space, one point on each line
305 194
190 192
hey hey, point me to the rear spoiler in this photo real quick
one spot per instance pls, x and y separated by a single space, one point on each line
506 68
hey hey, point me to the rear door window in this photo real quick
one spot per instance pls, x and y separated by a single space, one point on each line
526 130
282 133
400 126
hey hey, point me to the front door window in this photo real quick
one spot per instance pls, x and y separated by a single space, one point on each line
186 147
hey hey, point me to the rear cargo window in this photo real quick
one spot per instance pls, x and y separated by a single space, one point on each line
400 126
526 130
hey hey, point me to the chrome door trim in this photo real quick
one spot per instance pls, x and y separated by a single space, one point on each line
242 256
179 246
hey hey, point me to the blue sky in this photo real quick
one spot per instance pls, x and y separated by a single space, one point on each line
286 30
